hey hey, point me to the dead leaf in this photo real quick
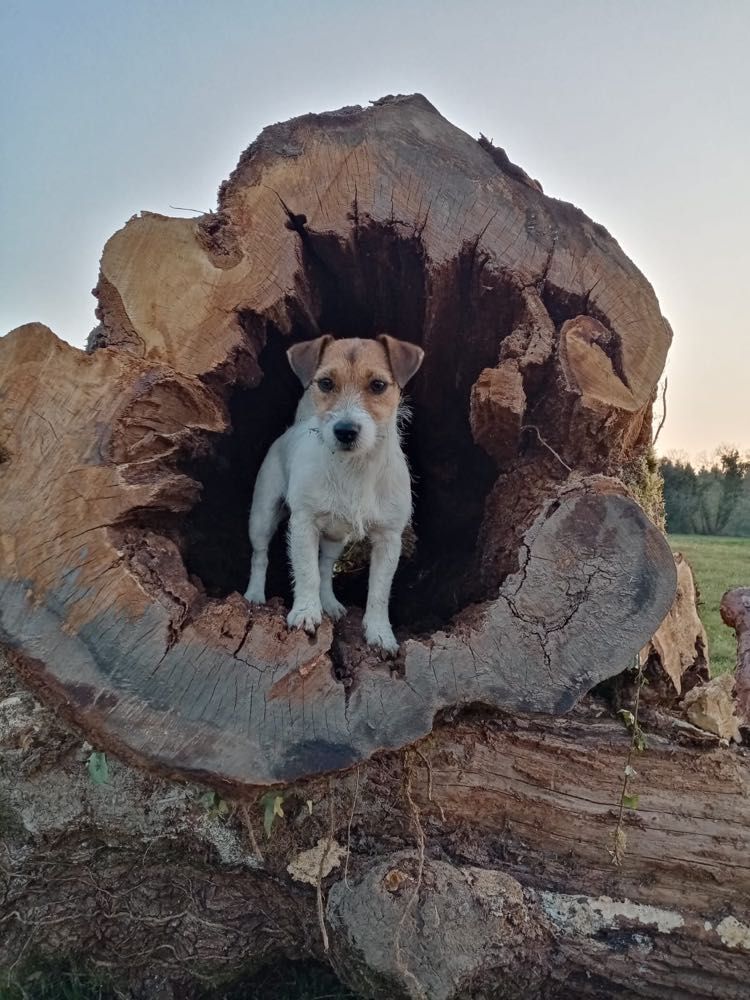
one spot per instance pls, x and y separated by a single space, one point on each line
306 866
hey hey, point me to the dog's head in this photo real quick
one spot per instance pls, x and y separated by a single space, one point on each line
354 385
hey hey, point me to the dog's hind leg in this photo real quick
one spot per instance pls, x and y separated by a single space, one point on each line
266 513
329 553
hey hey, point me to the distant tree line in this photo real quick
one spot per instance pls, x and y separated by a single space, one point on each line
712 499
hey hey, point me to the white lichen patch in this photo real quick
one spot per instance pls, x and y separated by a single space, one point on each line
228 845
733 933
306 866
587 915
16 718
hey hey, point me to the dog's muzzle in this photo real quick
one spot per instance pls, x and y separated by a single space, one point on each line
346 433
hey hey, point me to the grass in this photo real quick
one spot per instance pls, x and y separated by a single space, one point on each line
45 981
718 564
290 981
72 981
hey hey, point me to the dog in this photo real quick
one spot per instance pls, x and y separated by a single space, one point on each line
341 472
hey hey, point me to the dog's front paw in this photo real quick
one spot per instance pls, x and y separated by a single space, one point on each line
380 635
334 609
253 595
306 616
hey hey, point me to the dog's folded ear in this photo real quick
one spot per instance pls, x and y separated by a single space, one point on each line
305 358
403 357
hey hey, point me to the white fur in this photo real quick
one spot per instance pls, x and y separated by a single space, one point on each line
333 496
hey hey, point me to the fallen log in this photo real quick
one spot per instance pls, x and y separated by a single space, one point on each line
163 885
453 823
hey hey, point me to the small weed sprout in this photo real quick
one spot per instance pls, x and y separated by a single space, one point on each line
637 745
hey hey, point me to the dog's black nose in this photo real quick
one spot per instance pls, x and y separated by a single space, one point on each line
346 432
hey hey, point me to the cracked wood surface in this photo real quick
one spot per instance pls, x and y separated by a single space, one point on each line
96 604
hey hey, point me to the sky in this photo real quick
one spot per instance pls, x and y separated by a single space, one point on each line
637 111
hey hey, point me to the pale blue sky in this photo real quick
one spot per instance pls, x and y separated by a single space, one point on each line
639 112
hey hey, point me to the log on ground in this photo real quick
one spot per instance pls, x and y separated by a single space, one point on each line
512 822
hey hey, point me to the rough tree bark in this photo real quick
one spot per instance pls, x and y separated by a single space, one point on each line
126 480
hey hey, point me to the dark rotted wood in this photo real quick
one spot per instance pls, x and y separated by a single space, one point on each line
538 576
735 611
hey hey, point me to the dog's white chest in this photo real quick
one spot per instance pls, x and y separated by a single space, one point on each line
347 506
346 496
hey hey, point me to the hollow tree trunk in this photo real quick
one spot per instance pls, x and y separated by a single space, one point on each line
130 468
126 480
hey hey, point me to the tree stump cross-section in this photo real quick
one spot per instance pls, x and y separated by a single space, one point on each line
127 471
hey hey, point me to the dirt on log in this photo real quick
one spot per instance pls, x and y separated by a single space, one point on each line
128 469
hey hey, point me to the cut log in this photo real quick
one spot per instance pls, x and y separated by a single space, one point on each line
518 894
129 469
735 611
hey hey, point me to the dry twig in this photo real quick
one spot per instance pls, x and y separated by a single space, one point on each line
664 411
532 427
414 809
248 823
349 831
321 868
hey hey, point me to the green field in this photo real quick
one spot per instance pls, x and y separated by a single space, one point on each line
718 565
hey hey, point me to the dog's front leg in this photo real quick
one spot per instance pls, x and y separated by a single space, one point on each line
304 540
329 552
265 517
386 549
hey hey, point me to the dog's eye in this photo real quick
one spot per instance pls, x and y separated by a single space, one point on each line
325 384
378 385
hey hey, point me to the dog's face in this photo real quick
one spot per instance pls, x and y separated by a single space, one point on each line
354 385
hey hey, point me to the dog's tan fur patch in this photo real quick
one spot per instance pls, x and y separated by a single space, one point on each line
353 365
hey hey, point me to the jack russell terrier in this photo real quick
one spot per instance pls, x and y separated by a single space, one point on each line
341 472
